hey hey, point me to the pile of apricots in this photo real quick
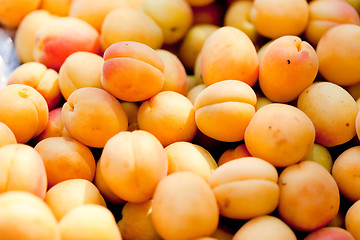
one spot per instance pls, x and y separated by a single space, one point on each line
181 119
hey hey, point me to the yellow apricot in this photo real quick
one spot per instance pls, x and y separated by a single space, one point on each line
22 169
56 7
6 135
265 228
245 188
320 154
185 156
132 164
169 116
80 69
322 102
25 216
224 109
184 207
174 72
136 223
12 12
89 222
139 27
174 17
352 220
69 194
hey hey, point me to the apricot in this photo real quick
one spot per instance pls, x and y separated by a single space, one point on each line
352 221
132 71
198 3
174 17
309 197
139 27
262 101
280 134
69 194
265 228
6 135
131 109
24 40
22 169
245 188
224 109
238 15
38 76
90 222
93 11
62 36
24 110
231 154
175 78
275 18
184 207
136 223
345 171
322 102
339 60
104 189
65 158
169 116
192 43
228 53
132 164
194 92
287 67
331 233
54 126
25 216
321 155
12 12
93 121
327 14
186 156
56 7
80 69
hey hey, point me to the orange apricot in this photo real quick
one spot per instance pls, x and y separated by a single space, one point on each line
287 67
24 110
132 71
224 109
309 196
231 154
169 116
25 216
339 60
93 121
280 134
65 158
6 135
22 169
62 36
69 194
132 164
228 53
179 199
38 76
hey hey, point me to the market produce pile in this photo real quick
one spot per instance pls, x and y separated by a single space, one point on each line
180 119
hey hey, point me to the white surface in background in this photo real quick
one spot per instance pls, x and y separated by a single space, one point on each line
8 58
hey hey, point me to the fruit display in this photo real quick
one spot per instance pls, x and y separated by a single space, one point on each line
179 119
